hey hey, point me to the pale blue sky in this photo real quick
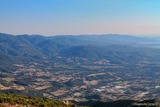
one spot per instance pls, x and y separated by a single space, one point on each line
54 17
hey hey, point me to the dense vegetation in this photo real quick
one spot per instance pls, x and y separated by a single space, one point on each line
13 99
24 101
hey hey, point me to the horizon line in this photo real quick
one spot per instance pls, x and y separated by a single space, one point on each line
32 34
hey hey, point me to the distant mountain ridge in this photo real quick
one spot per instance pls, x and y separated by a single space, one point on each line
25 48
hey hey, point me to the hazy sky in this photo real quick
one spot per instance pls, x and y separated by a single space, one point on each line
54 17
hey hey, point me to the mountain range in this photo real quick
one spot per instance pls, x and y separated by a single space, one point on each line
80 68
121 49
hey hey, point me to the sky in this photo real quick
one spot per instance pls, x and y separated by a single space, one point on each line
75 17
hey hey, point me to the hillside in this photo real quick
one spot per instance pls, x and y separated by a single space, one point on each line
107 67
13 100
123 103
27 48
